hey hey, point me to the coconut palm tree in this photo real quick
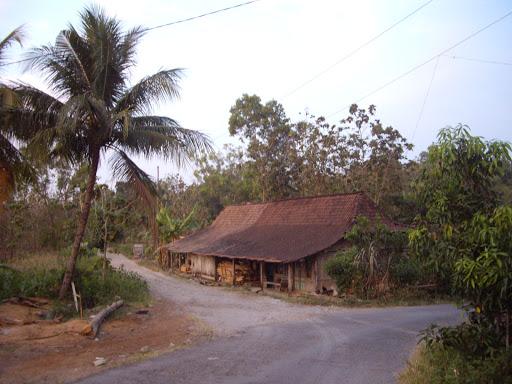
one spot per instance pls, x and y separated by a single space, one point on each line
91 112
13 166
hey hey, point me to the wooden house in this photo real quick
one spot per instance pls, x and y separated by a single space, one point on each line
282 244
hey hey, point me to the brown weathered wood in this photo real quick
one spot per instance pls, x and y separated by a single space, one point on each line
315 271
206 277
290 277
262 276
93 328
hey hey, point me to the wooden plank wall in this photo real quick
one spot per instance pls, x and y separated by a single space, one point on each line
202 265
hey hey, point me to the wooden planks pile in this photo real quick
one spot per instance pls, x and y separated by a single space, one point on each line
243 272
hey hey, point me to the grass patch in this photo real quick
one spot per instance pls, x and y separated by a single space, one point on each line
401 297
41 275
124 248
438 365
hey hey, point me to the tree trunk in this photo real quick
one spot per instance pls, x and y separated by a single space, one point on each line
93 328
82 224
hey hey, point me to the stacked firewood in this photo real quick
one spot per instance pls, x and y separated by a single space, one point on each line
243 272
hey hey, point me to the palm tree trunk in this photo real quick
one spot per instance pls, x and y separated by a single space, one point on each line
82 224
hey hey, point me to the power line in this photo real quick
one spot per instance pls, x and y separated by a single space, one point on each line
425 99
413 69
202 15
165 25
353 52
478 60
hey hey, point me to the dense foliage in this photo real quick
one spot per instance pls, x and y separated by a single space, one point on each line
375 261
463 234
438 365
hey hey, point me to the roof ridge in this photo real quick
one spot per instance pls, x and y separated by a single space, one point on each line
297 198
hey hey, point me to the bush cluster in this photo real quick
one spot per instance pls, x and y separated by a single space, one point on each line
445 365
351 276
343 270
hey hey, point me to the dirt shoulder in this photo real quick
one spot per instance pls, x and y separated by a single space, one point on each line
226 311
38 351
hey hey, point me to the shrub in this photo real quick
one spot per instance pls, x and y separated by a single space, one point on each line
99 287
33 282
96 285
405 271
342 269
443 365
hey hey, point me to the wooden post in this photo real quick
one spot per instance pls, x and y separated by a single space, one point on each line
262 276
172 261
290 277
317 278
215 276
233 272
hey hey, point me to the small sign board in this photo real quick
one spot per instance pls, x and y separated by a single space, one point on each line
138 251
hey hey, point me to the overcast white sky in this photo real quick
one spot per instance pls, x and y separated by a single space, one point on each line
271 47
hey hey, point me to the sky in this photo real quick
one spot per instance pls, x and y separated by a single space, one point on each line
272 47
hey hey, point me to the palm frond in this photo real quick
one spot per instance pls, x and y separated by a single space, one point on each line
127 49
124 169
112 52
16 36
14 162
61 72
69 44
143 96
162 136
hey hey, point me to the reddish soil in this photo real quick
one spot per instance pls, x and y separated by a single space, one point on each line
40 351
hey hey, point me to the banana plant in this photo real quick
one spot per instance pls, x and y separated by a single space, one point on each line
172 228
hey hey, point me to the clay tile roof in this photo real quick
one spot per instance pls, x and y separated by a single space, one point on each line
280 231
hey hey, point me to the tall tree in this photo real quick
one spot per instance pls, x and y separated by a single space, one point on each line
270 143
92 110
455 188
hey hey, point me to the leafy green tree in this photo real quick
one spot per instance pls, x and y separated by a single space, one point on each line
270 143
483 273
456 183
225 178
93 111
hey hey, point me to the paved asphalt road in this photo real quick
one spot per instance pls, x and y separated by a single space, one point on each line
336 346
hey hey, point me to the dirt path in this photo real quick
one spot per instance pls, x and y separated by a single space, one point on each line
224 311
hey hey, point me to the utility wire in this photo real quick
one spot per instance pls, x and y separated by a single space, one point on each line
166 24
425 99
202 15
478 60
353 52
413 69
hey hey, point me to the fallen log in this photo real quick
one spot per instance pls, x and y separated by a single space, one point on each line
93 328
34 302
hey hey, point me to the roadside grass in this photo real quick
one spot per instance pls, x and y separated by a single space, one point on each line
402 297
124 248
438 365
40 275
